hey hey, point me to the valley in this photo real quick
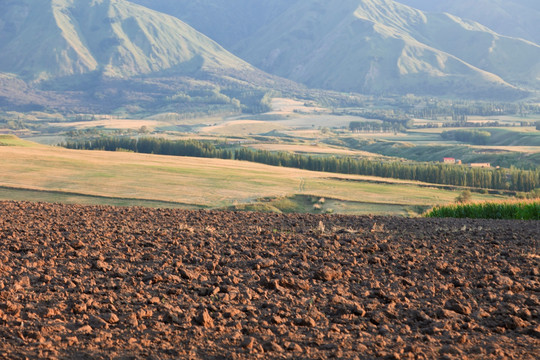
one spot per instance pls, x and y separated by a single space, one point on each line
47 173
291 126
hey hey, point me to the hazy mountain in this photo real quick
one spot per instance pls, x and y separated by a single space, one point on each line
110 53
517 18
384 46
51 38
373 46
225 21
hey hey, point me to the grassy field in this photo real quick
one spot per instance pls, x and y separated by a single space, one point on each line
284 106
507 146
242 128
315 204
10 140
511 136
17 194
37 172
504 118
107 124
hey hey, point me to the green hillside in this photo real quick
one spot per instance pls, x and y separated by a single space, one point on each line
382 46
45 173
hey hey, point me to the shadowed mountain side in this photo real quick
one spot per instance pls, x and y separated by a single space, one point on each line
343 47
225 21
102 55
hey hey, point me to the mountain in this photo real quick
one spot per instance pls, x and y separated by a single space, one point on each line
113 37
380 46
225 21
105 54
516 18
368 46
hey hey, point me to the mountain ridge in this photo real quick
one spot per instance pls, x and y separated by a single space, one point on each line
423 53
102 55
385 46
113 37
124 54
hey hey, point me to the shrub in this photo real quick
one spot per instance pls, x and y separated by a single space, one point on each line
464 197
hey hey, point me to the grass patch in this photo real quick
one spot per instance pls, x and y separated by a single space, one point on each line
517 137
281 204
467 153
7 193
12 140
255 207
319 205
510 210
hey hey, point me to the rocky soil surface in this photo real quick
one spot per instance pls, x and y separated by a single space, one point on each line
132 283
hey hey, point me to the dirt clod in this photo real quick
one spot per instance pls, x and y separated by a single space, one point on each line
204 319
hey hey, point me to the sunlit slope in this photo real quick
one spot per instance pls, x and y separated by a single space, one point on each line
383 46
193 181
54 38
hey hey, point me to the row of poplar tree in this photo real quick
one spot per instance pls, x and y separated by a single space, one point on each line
436 173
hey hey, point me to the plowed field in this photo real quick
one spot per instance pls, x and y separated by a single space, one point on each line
134 283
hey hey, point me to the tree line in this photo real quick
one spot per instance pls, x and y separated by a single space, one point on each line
436 173
459 110
476 137
375 126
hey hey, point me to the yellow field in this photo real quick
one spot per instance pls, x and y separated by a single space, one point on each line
284 106
313 149
203 182
242 128
524 129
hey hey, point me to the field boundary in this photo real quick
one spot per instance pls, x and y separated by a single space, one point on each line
430 185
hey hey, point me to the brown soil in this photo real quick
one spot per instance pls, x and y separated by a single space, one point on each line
112 282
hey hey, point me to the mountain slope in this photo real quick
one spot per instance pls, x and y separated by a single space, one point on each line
97 51
225 21
112 37
383 46
516 18
105 55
